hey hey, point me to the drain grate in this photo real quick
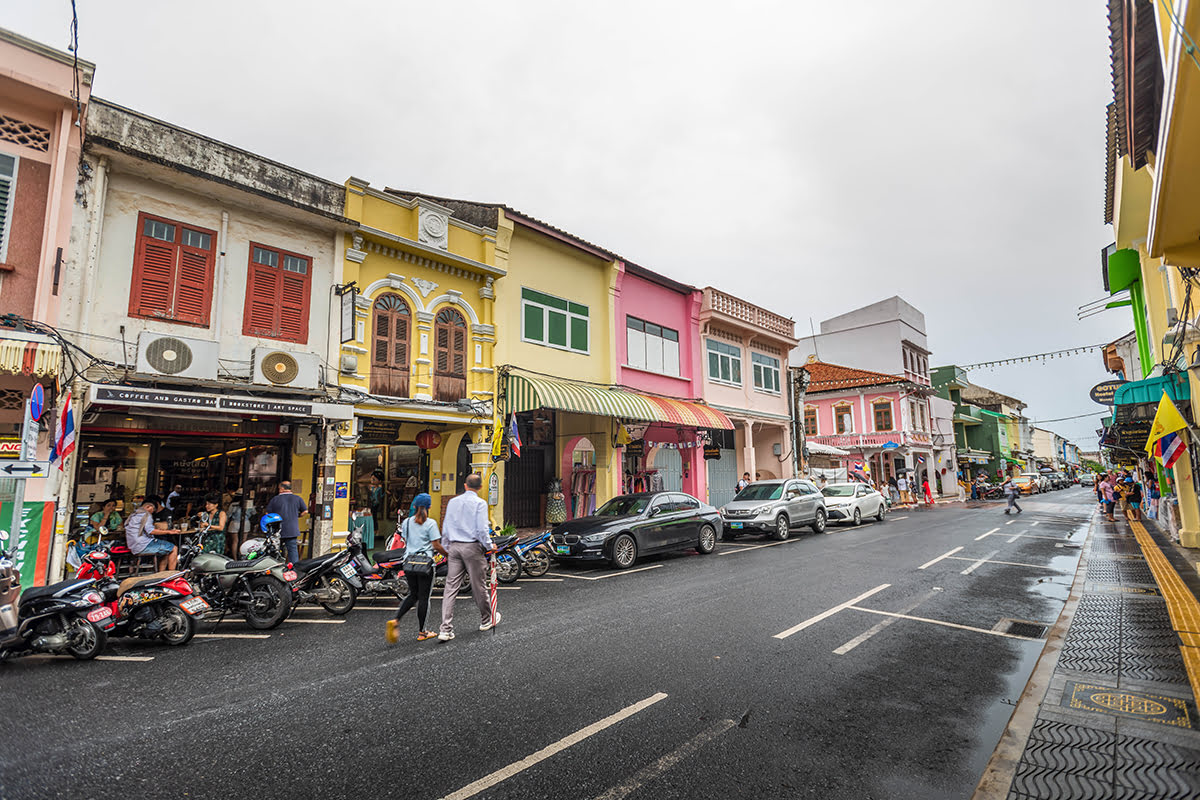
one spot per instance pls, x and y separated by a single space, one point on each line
1030 630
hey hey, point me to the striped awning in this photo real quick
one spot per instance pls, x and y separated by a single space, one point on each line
29 354
525 393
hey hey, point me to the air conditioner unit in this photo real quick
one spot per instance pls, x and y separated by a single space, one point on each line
281 368
176 356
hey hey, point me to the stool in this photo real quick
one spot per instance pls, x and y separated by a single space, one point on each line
129 564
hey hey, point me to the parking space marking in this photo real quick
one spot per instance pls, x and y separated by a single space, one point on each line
1009 563
939 558
748 547
542 580
979 563
989 533
656 768
600 577
232 636
317 621
124 658
862 637
488 781
1010 522
943 623
829 613
1036 522
900 518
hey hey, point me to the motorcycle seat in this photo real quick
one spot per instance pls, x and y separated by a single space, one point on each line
501 542
390 555
37 592
242 564
138 581
120 550
308 564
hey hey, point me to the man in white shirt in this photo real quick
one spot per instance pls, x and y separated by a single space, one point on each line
902 485
465 534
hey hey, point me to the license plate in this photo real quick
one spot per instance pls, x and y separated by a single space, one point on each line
289 575
737 526
349 571
194 605
97 614
563 549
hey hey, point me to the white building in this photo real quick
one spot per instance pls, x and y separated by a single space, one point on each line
888 337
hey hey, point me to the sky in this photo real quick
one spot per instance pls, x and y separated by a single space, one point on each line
811 157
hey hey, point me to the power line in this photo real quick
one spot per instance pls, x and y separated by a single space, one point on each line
1063 419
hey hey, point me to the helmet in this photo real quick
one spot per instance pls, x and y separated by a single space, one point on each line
270 523
252 548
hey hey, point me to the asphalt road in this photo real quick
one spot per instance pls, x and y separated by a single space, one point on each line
768 671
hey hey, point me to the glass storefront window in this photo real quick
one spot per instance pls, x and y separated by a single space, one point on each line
386 479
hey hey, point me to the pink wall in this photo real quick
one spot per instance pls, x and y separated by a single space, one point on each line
825 404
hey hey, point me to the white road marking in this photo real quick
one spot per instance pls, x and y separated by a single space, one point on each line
830 612
1038 522
317 621
601 577
749 547
1012 539
899 518
980 562
939 558
124 658
857 640
989 533
488 781
944 624
542 580
1009 563
1010 522
233 636
653 770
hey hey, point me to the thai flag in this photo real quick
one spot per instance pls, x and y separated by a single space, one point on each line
492 590
64 439
514 436
1169 448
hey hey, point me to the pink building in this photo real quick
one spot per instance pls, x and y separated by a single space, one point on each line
882 420
659 355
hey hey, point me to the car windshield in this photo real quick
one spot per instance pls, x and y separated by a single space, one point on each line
623 507
761 491
838 491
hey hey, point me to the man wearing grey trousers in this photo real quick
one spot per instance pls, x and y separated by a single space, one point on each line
465 535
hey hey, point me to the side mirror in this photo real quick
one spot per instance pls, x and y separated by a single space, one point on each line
654 512
3 536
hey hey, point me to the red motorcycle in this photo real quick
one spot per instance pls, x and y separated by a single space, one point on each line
159 606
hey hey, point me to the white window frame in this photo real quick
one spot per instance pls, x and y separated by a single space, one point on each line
721 355
6 228
546 322
849 409
647 339
891 404
755 366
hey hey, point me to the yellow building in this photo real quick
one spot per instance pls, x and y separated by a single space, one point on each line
1153 202
418 358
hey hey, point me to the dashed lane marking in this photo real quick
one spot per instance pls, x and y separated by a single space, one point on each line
830 612
980 562
653 770
989 533
939 558
1010 522
488 781
600 577
233 636
943 623
1036 522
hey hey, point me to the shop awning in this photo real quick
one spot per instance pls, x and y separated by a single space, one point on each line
525 393
818 449
1151 390
29 354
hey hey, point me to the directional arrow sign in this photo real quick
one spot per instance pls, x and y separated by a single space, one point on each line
25 469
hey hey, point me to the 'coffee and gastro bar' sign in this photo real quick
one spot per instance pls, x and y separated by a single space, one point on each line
158 398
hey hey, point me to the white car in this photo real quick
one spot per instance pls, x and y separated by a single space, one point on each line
850 502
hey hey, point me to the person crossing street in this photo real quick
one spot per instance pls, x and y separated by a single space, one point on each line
465 533
1010 492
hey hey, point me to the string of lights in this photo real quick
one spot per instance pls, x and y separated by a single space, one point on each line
1035 357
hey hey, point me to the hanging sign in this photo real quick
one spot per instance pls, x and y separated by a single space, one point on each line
637 448
712 452
378 430
1105 393
348 298
493 489
37 402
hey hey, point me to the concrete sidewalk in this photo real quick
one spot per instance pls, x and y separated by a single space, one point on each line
1111 709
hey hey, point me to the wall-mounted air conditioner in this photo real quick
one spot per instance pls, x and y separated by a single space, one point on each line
274 367
176 356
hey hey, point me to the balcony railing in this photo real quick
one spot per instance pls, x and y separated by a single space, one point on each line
754 315
919 438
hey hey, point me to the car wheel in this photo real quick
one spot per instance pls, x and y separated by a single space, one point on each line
708 540
819 521
624 551
879 513
857 515
783 528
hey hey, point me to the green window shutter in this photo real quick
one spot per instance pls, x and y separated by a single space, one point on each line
579 334
556 333
534 323
714 364
576 308
544 299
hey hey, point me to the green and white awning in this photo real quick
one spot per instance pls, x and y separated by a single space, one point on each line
526 393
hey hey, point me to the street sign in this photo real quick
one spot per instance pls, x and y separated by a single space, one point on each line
25 469
1104 393
29 433
37 402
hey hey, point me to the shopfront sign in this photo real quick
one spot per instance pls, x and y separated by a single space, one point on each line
711 452
1104 393
637 448
377 430
157 398
1131 435
10 447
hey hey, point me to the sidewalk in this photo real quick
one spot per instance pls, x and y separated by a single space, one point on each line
1111 708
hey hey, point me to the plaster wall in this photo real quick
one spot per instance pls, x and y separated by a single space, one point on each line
652 302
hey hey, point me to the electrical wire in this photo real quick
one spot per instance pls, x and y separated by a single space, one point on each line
1064 419
1189 44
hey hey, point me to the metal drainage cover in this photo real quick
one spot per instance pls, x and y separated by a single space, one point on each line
1020 627
1122 702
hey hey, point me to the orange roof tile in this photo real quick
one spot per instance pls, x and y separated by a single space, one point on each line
831 377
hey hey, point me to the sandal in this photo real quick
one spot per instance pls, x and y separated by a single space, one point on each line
426 635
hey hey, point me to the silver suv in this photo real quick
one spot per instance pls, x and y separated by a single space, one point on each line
775 507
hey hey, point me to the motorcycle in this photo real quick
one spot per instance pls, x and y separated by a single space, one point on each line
331 581
258 588
386 574
161 606
513 557
69 617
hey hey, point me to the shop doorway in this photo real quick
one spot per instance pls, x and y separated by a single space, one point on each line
722 478
524 484
386 479
669 464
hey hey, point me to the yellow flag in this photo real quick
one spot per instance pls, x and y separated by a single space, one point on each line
1166 420
623 437
498 440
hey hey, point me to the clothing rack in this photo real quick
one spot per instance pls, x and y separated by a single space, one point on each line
583 491
642 480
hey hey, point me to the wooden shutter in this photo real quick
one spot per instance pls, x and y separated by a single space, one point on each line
443 349
172 281
293 308
381 348
153 278
389 347
262 298
451 344
193 286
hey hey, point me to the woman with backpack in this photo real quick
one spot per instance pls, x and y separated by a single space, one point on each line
422 539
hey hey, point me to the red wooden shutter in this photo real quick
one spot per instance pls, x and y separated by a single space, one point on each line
383 340
293 307
443 349
262 297
193 286
459 361
153 278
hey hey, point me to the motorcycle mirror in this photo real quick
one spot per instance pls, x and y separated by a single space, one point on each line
3 536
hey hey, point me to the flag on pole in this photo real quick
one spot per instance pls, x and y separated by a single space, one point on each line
1169 448
514 437
64 438
492 590
1166 420
498 441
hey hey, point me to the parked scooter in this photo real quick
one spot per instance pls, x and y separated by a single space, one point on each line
160 606
69 617
256 588
514 557
331 581
386 574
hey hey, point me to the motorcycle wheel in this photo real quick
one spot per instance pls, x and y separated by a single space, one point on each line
347 595
401 588
85 639
537 562
270 602
508 569
179 626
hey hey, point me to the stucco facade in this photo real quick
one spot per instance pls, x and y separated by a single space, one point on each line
887 336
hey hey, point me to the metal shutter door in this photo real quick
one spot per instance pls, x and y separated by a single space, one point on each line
722 478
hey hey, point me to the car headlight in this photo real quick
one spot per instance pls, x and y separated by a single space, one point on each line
594 538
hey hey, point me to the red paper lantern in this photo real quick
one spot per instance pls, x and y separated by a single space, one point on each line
428 439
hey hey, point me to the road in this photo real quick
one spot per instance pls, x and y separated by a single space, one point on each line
868 662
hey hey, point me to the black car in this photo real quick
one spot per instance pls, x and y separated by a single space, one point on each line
638 524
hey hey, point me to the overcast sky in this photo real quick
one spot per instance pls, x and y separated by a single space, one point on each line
811 157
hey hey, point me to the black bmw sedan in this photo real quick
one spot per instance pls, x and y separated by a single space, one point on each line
633 525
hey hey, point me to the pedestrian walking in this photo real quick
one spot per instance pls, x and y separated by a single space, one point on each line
902 487
893 490
928 492
465 533
423 540
1152 486
1106 491
744 482
1010 492
289 507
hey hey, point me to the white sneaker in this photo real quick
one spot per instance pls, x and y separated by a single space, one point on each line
487 626
445 637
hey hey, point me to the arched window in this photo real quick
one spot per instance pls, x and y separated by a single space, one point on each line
450 361
389 346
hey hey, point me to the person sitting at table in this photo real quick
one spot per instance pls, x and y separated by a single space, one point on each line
107 516
213 520
138 528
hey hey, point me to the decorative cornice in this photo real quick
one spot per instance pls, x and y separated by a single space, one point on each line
425 316
485 370
357 256
350 348
483 330
429 257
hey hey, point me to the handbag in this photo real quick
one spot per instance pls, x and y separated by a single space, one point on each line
418 563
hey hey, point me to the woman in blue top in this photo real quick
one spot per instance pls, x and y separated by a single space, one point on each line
421 537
